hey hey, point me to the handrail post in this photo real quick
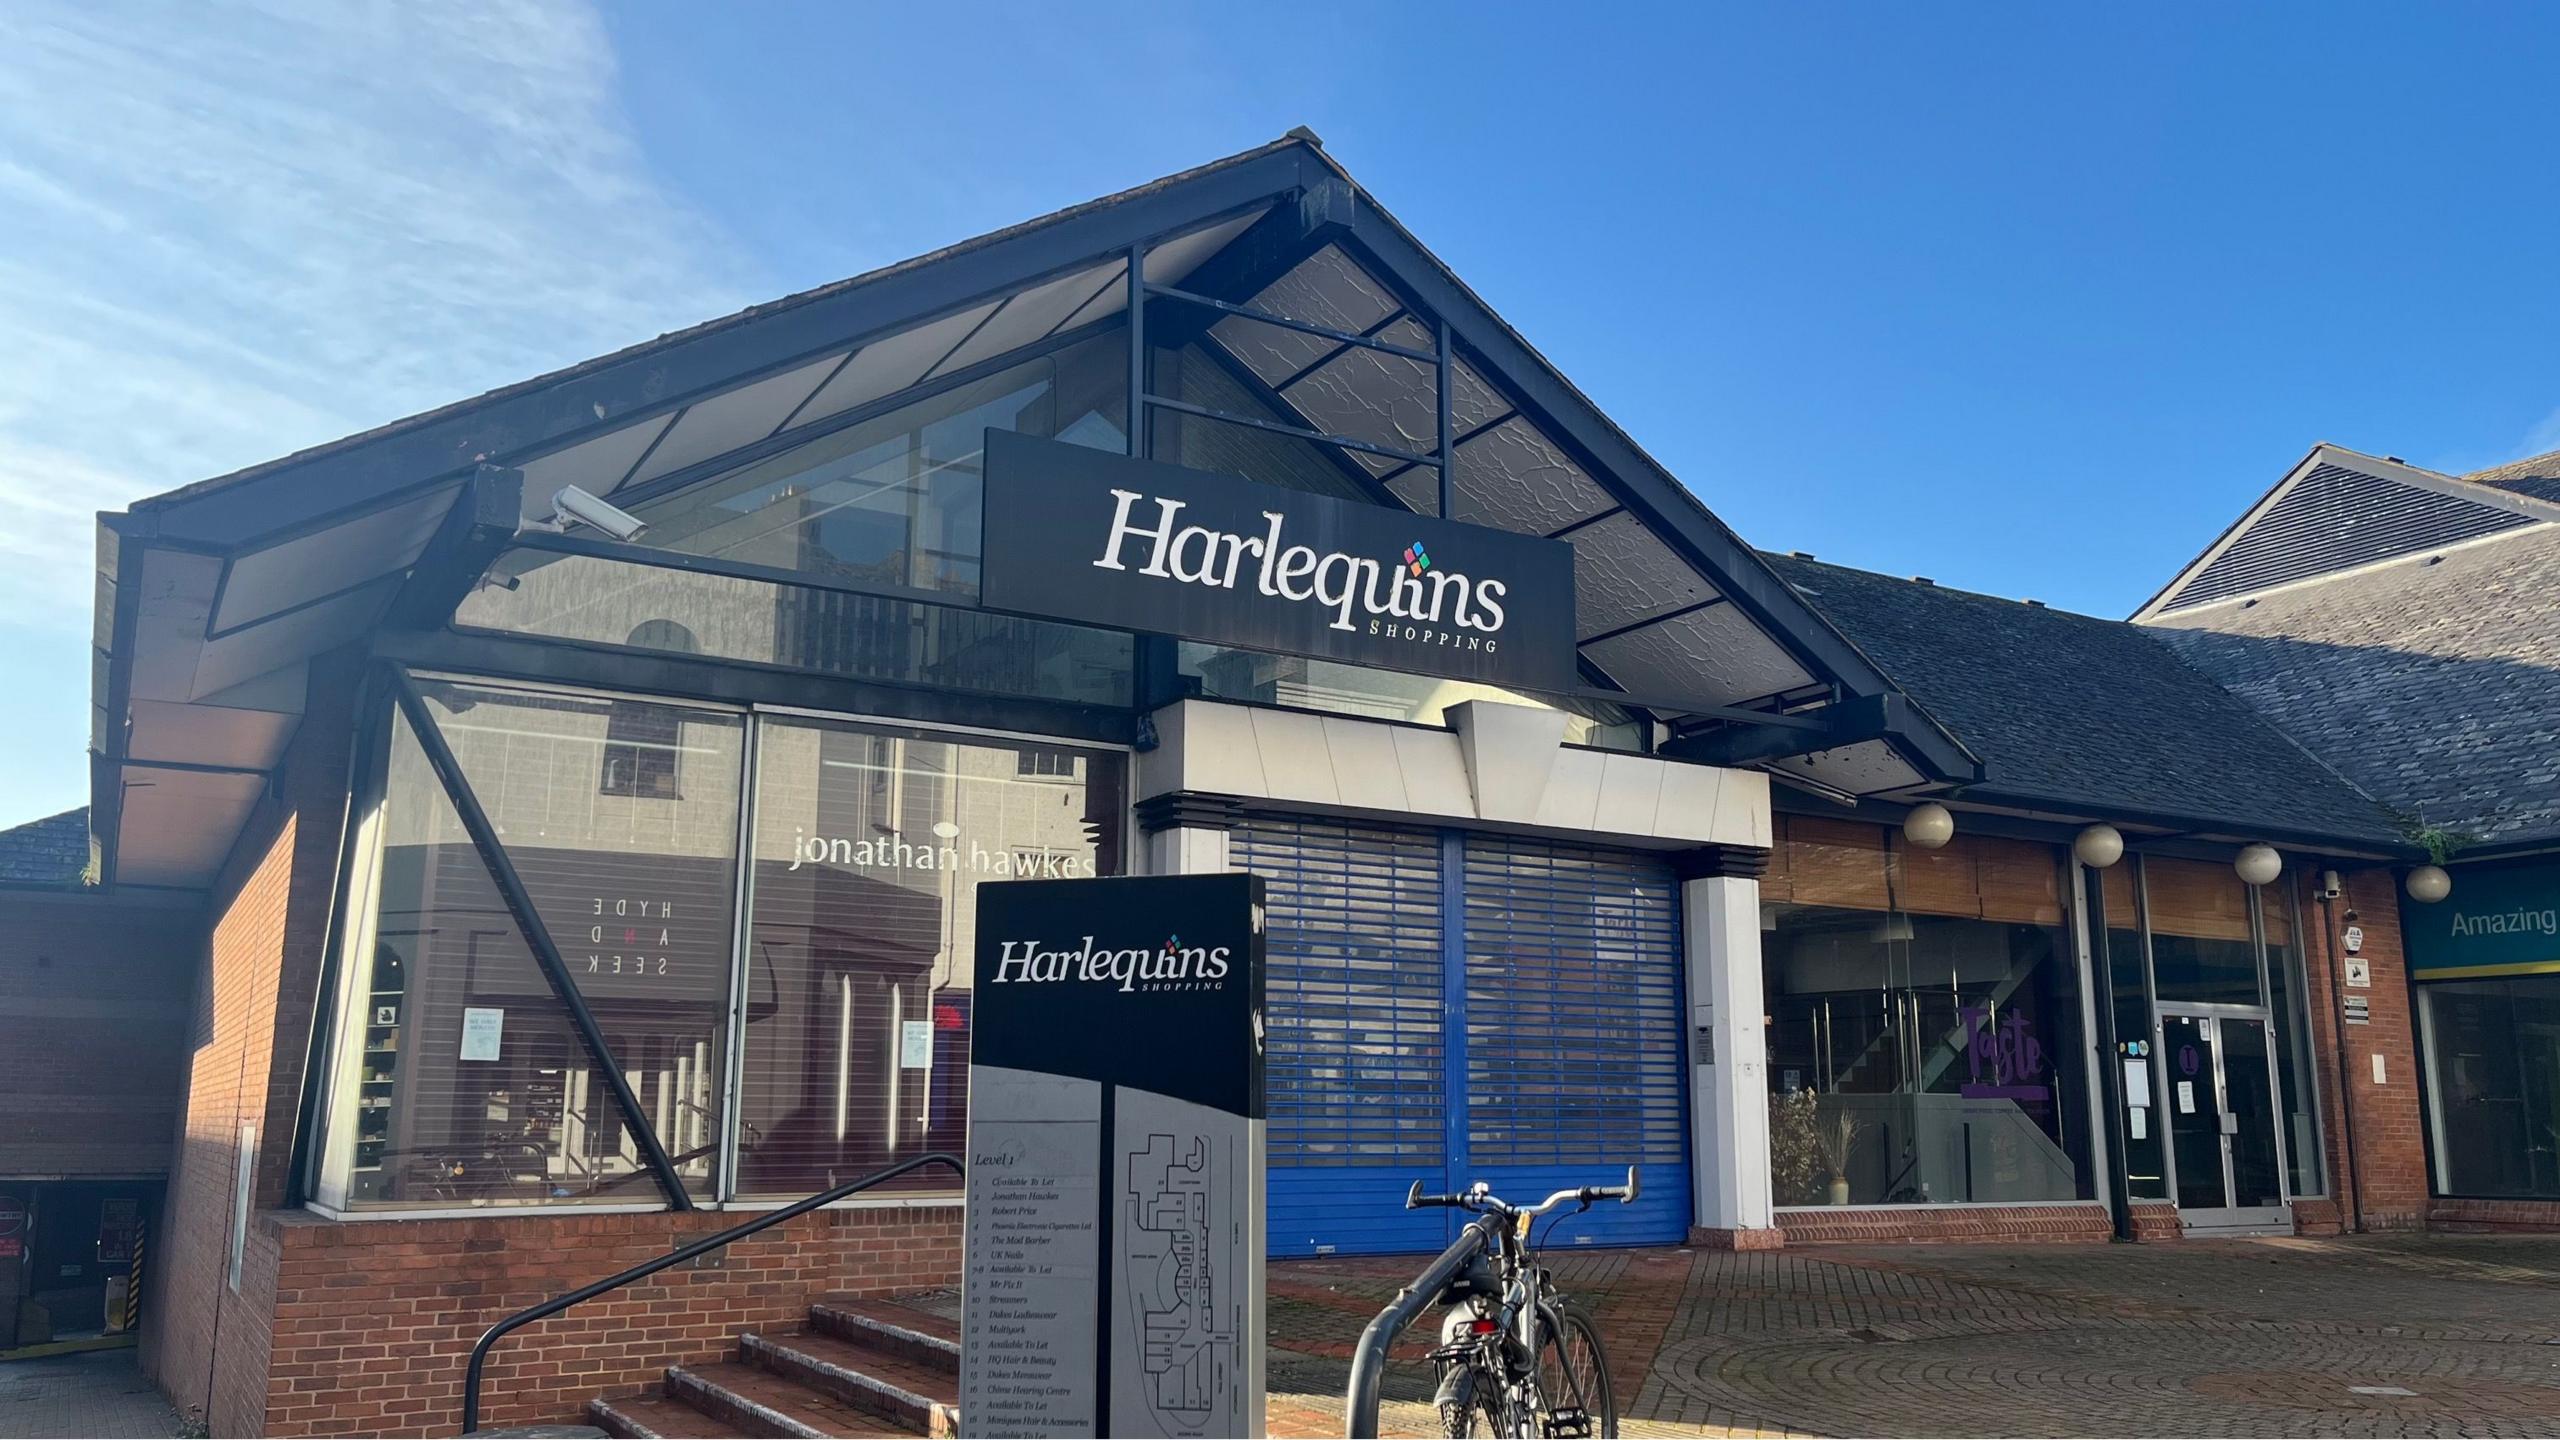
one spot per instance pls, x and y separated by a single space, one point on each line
471 1371
1369 1357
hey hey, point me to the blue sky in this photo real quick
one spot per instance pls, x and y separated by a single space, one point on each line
2031 299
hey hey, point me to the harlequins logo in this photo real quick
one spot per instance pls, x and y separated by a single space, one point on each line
1171 966
1415 601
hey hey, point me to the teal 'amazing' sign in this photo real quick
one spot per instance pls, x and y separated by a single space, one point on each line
2499 920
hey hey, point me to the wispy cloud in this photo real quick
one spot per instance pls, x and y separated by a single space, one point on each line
231 231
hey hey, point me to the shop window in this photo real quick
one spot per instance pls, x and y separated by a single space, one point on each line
870 843
463 1081
1925 1043
2146 1171
2201 950
2297 1078
2493 1084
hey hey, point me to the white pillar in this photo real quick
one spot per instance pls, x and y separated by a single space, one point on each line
1187 850
1728 1050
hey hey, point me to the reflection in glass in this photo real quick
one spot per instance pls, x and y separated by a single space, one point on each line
864 637
2306 1171
2493 1084
2146 1171
896 500
1925 1037
464 1081
870 843
1300 682
2201 951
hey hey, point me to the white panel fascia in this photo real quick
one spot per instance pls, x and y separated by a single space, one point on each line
1571 799
1630 794
1296 762
1365 766
1510 752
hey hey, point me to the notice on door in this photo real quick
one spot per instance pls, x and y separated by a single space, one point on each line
1113 1249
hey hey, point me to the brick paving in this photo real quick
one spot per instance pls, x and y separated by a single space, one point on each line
97 1392
2412 1335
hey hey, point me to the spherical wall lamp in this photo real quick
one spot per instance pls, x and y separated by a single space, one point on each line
2098 846
1929 826
2258 864
2429 883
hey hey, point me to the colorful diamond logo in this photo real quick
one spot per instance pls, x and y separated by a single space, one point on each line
1416 558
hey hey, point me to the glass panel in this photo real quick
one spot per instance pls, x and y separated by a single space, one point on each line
1918 1057
2195 1112
472 1087
2146 1168
1196 376
870 843
2201 950
895 500
1302 683
2493 1084
2250 1097
2306 1173
865 637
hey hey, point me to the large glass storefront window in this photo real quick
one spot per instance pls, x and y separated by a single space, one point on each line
870 843
462 1080
2493 1084
1925 1040
2146 1172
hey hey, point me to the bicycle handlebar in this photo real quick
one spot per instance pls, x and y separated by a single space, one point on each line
1481 1199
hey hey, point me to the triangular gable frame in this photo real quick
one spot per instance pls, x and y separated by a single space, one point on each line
2379 467
1311 201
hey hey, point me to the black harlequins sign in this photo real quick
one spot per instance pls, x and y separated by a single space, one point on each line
1113 1260
1086 535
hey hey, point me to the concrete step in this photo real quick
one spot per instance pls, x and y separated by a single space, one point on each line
919 1395
925 1338
655 1417
757 1401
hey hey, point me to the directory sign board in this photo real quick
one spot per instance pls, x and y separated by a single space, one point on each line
1113 1248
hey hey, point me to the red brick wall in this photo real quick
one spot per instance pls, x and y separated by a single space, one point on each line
2009 1224
93 1024
2388 1187
244 1052
374 1319
2474 1216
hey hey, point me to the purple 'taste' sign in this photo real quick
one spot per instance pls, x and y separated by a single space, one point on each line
2003 1058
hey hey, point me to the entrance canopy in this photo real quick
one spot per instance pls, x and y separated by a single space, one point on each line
1260 316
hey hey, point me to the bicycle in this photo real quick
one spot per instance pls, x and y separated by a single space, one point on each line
1515 1353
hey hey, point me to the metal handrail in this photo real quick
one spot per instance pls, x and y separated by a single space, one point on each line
1369 1358
553 1306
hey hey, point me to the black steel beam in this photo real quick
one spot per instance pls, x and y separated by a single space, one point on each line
1343 339
537 935
483 521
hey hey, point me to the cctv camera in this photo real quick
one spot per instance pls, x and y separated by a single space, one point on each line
573 506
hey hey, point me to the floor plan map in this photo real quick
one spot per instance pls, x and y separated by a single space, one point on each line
1188 1264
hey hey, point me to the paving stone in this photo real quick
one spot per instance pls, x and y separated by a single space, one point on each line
2360 1336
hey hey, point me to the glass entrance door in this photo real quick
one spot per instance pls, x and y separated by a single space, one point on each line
2225 1152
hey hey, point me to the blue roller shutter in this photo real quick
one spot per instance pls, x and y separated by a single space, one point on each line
1573 1045
1355 1051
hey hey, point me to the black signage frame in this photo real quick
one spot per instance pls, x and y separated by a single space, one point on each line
1084 535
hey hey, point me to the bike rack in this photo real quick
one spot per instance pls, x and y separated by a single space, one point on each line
1369 1357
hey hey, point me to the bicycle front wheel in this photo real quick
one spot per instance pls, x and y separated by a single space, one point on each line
1573 1376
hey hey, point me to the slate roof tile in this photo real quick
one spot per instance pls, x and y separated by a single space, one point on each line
2086 712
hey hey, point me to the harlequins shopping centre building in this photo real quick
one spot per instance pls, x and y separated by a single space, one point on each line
572 802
